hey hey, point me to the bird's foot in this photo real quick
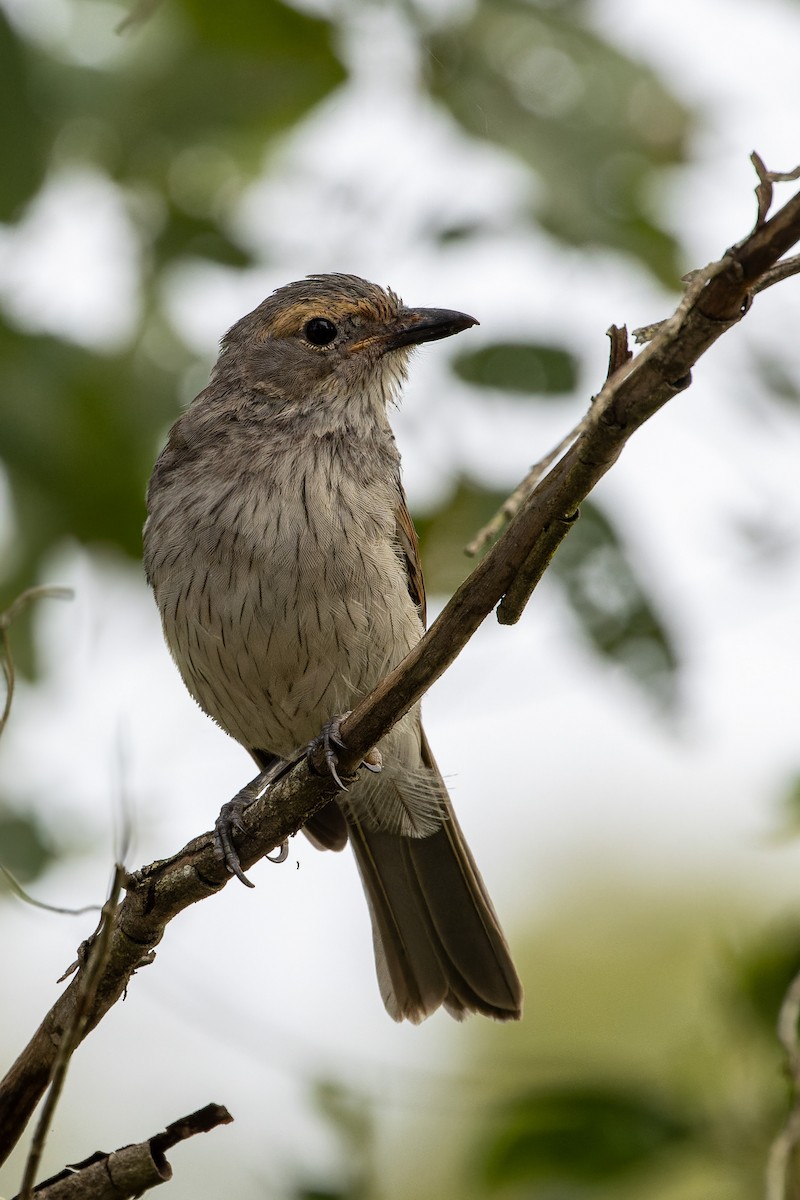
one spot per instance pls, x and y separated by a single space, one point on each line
230 822
324 746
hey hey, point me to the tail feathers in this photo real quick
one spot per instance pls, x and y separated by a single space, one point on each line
437 938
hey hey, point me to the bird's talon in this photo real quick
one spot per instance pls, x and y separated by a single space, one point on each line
325 741
230 820
281 855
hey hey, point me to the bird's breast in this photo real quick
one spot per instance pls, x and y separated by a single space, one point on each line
283 596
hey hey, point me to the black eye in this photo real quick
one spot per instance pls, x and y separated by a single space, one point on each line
320 331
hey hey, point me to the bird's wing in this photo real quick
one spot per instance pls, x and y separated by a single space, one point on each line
409 545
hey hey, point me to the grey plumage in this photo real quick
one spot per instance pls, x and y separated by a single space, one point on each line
285 569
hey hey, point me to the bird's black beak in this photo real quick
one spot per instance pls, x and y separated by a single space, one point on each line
416 325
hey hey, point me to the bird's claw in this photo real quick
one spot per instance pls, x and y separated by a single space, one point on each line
230 821
325 742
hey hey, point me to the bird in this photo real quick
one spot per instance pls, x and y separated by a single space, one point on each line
286 569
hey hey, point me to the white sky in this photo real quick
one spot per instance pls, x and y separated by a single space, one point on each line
554 762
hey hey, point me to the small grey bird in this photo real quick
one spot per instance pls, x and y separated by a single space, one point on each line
286 569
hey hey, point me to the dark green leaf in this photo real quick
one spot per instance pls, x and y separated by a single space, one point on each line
25 848
444 533
593 124
176 89
523 367
581 1134
612 604
22 128
321 1193
779 378
764 971
790 807
186 236
78 440
264 64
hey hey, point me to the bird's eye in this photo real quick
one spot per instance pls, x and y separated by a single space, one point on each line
320 331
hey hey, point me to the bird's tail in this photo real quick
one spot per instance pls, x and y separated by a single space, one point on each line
437 938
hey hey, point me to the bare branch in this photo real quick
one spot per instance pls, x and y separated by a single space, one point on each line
96 961
131 1170
782 270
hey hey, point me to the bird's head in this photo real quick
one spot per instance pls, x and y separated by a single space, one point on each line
330 337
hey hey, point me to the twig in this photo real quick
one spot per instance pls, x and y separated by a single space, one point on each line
95 963
131 1170
510 507
714 301
783 270
764 191
519 593
6 619
19 890
619 354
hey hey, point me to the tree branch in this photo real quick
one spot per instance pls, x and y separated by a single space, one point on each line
716 299
131 1170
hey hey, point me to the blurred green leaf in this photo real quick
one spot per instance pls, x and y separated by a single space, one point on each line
199 74
444 533
311 1193
78 441
612 605
790 807
779 378
194 78
593 124
350 1117
582 1134
764 970
348 1113
186 236
22 127
523 367
25 848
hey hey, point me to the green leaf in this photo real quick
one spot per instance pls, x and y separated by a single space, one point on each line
25 848
188 236
523 367
763 972
195 77
612 605
349 1115
79 439
777 378
593 124
444 533
22 128
581 1134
